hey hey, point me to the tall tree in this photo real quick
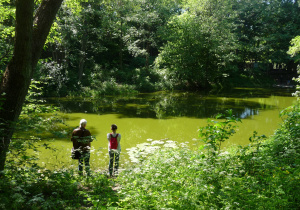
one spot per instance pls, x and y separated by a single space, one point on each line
200 45
265 29
145 25
31 34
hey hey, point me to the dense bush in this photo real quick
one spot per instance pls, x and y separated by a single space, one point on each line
262 175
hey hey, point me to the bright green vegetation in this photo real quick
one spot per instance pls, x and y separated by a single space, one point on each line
39 189
263 175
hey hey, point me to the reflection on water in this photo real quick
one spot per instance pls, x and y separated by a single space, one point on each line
175 116
163 105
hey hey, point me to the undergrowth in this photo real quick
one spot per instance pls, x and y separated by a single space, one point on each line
262 175
29 188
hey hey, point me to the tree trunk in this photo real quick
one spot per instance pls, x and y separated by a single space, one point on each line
29 42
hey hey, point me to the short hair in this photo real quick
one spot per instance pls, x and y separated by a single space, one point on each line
82 122
114 127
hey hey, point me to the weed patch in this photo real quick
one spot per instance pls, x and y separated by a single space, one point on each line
261 175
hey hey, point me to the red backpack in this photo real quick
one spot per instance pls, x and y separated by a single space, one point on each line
113 143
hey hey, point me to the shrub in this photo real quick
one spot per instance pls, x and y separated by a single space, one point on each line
261 175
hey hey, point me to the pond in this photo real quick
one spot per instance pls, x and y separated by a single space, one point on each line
167 116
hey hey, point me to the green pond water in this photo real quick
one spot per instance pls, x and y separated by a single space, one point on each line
175 117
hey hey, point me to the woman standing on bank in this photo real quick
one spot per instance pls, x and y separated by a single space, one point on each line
114 150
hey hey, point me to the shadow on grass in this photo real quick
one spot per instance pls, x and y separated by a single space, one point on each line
56 190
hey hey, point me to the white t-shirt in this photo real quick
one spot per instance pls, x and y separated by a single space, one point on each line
118 138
